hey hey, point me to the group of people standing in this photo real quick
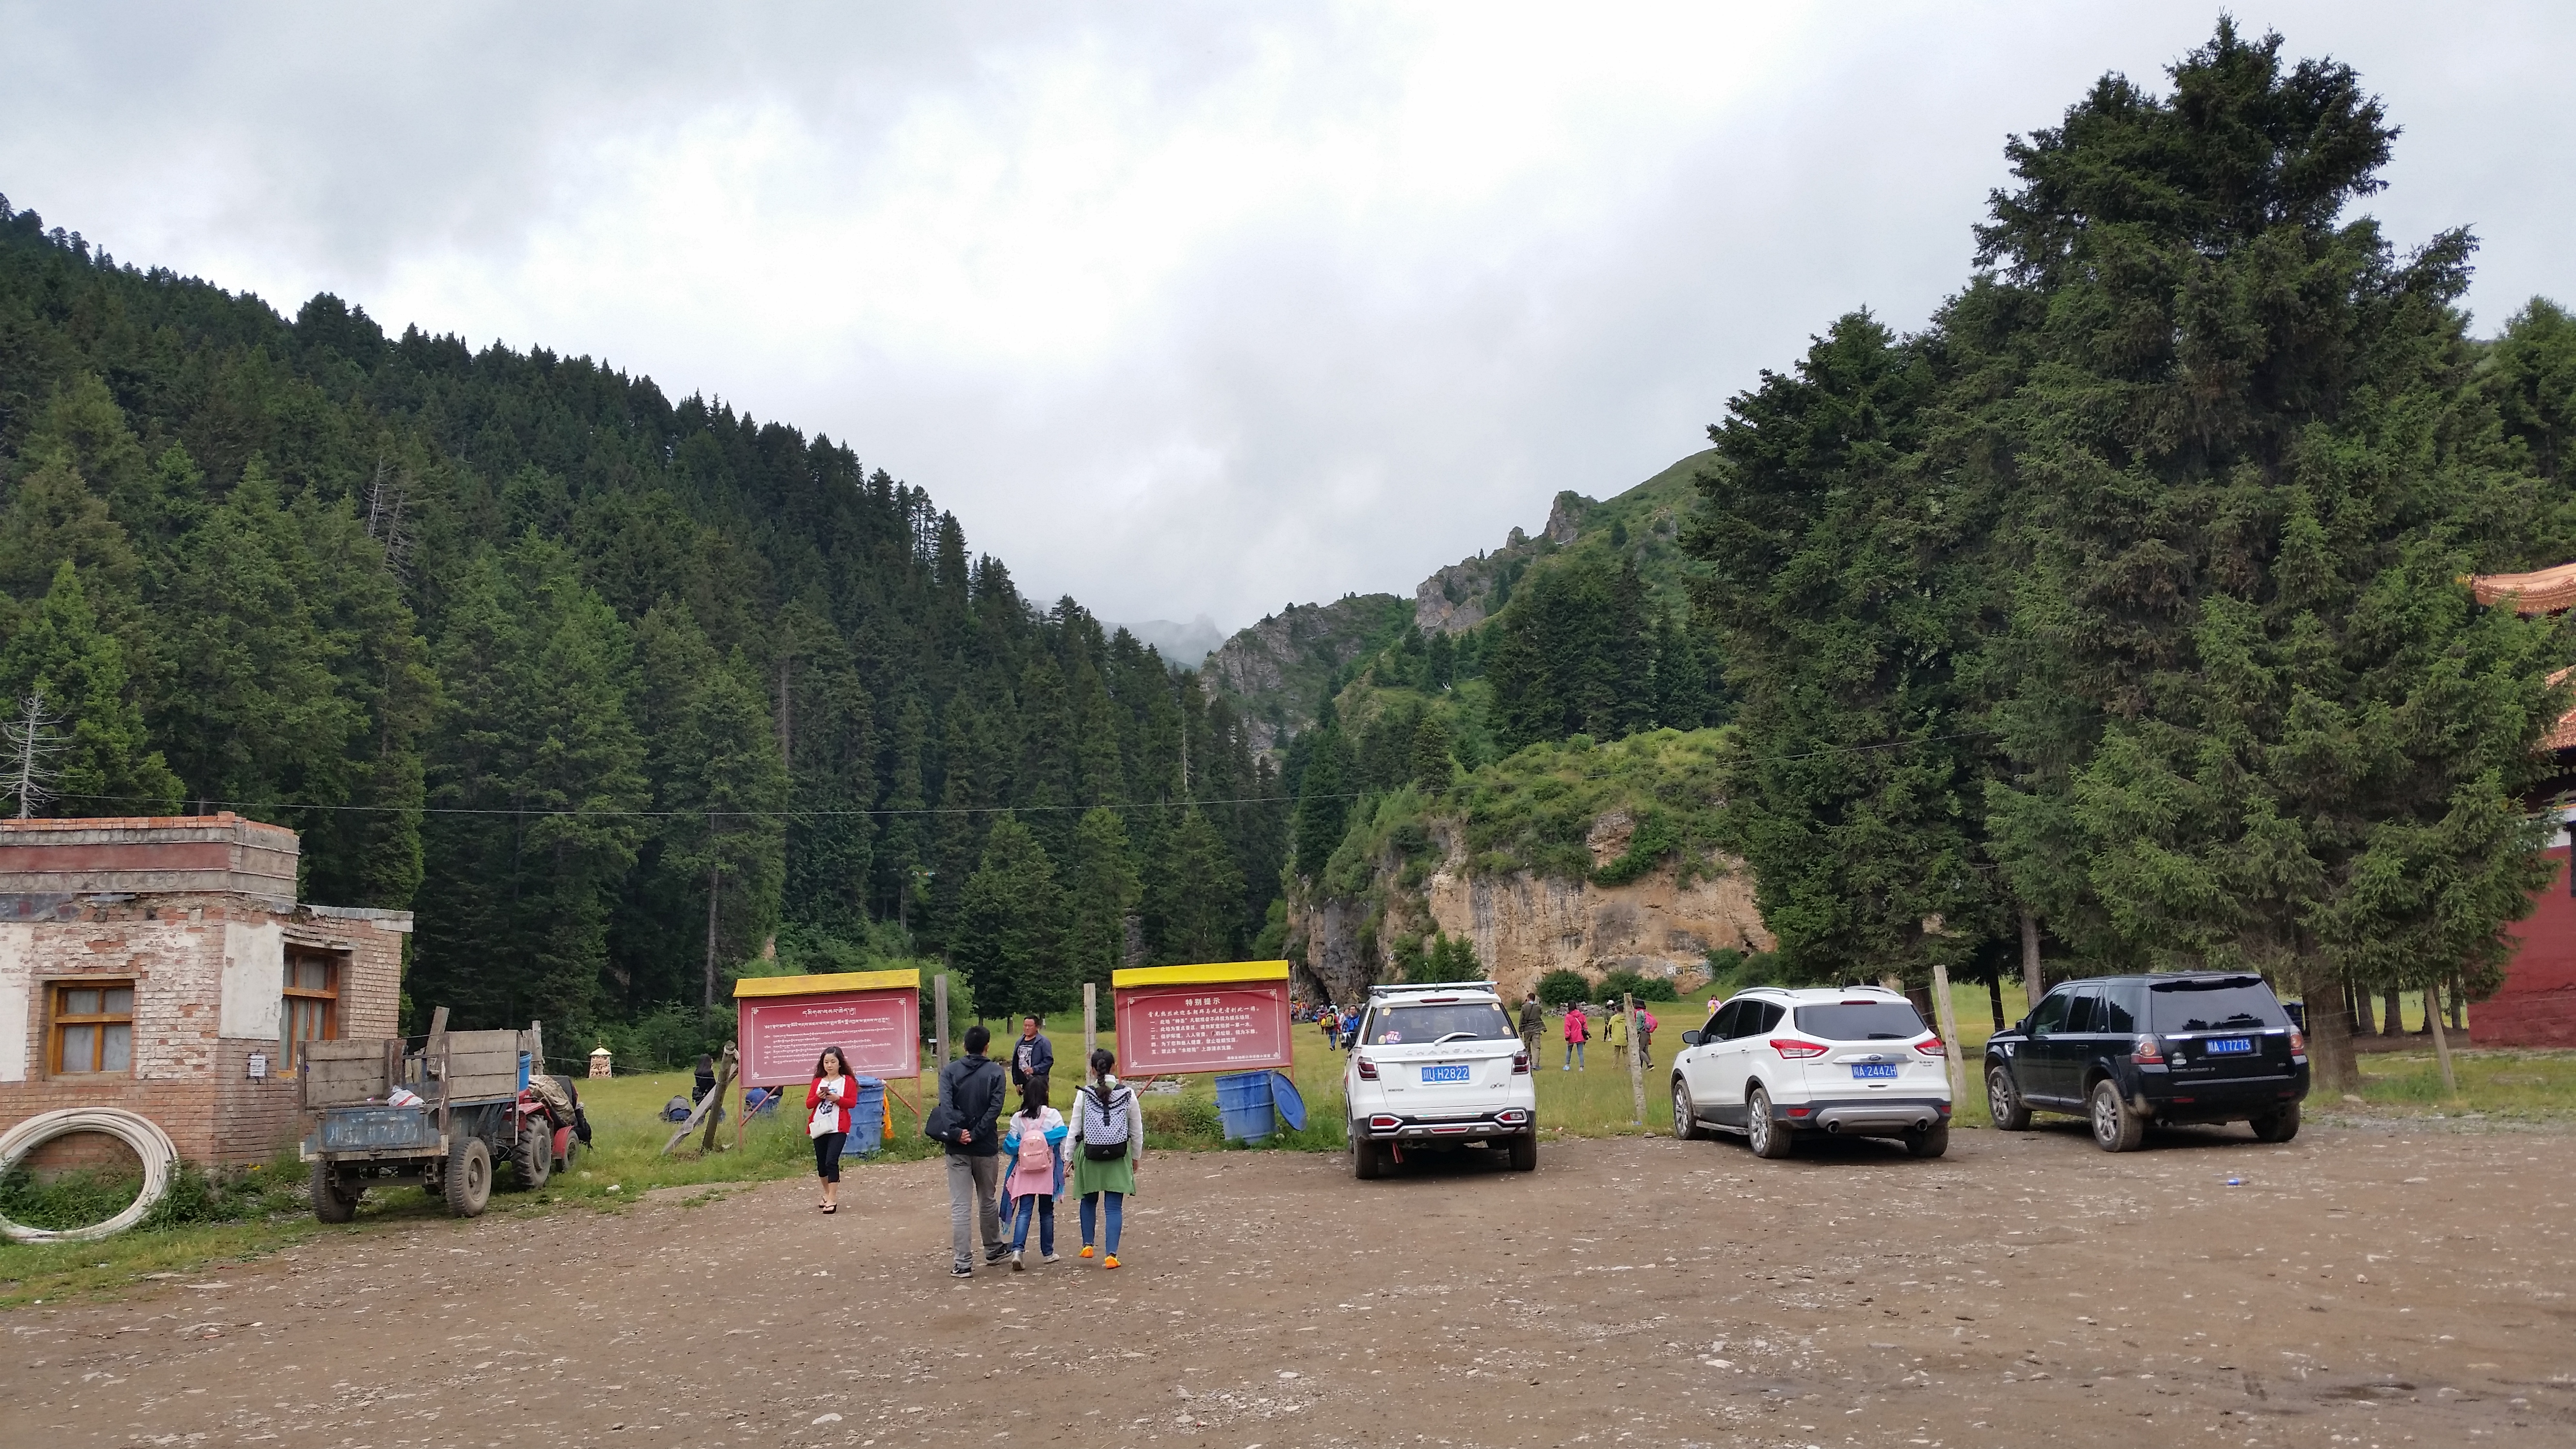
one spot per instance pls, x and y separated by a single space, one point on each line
1016 1166
1577 1031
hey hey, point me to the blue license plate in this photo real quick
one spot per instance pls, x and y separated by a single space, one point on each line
2227 1046
1873 1071
1457 1073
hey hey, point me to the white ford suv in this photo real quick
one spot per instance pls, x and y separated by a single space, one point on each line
1773 1063
1438 1064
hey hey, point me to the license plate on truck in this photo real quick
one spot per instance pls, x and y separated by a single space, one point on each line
1455 1072
2227 1046
1873 1071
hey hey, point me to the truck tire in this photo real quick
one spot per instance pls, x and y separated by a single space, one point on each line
330 1204
468 1177
533 1160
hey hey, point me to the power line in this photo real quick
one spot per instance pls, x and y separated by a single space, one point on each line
798 814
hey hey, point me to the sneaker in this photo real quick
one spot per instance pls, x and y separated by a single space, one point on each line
996 1255
962 1270
1050 1258
1086 1250
1017 1266
1109 1262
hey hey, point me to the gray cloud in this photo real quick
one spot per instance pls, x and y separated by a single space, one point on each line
1182 309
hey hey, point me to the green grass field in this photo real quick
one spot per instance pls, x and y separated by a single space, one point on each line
262 1210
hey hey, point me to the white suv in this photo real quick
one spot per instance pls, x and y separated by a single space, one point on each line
1438 1064
1773 1063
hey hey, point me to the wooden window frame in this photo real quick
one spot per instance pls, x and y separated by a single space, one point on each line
58 1017
336 964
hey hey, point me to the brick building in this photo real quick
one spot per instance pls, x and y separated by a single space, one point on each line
164 966
2536 1006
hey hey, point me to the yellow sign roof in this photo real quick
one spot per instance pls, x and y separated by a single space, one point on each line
826 985
1214 973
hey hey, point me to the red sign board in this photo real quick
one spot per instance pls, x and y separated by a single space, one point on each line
1234 1027
878 1032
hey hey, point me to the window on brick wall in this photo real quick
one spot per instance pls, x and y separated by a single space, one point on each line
312 1010
93 1027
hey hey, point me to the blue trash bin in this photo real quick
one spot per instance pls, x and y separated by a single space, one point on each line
1243 1104
867 1117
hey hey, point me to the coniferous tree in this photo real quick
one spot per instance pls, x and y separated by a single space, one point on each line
1200 885
1101 891
107 765
1323 806
539 776
1432 762
1009 935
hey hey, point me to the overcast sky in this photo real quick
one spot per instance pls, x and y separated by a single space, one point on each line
1181 308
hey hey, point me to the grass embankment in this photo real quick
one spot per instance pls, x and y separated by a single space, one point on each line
263 1210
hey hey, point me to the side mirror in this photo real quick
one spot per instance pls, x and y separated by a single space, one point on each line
1690 1038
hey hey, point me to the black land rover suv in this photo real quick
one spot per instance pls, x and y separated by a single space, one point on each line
2128 1051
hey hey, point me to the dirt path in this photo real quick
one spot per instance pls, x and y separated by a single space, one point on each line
2359 1288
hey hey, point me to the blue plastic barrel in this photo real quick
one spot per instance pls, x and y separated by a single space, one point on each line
867 1117
1243 1103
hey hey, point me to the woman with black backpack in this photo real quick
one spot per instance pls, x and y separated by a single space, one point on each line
1109 1135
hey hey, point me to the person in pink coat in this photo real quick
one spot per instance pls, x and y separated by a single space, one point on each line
1578 1030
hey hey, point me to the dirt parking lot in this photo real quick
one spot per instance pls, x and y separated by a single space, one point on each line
2358 1287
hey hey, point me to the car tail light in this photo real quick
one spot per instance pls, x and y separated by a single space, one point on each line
2298 1043
1384 1123
1368 1069
1932 1048
2149 1052
1791 1047
1521 1063
1512 1117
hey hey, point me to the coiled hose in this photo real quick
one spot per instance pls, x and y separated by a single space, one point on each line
141 1133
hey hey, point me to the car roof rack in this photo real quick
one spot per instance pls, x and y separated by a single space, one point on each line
1393 986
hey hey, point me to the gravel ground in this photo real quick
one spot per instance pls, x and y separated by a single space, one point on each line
2356 1288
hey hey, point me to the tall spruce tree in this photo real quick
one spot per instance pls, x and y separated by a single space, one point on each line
107 765
1009 935
2255 490
1101 891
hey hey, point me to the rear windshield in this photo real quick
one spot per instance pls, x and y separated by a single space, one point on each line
2214 1005
1459 1021
1861 1021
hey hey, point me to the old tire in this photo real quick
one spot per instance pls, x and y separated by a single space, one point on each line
1766 1137
2115 1127
1367 1160
532 1161
468 1177
2003 1100
330 1203
2281 1126
1686 1126
1525 1152
1928 1141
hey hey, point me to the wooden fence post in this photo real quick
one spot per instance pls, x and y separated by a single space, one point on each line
1946 1020
2441 1038
939 1035
1090 1027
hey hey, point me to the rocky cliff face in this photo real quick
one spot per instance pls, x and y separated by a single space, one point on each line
1525 926
1277 667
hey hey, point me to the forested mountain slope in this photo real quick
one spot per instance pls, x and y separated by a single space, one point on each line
614 689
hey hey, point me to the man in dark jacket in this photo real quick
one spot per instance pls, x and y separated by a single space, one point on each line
974 1086
1533 1021
1032 1059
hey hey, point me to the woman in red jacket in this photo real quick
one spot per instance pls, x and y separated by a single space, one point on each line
827 1113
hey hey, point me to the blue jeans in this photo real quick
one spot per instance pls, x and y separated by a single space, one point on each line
1574 1054
1117 1208
1042 1207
